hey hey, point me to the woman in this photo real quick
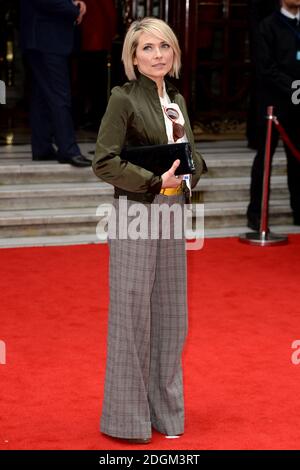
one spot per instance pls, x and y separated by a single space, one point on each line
148 311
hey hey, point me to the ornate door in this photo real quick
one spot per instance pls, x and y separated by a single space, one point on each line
214 38
223 70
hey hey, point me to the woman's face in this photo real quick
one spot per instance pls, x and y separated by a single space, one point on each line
154 57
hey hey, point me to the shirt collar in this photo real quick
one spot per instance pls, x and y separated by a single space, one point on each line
290 15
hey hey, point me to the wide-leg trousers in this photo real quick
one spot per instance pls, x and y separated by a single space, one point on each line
146 333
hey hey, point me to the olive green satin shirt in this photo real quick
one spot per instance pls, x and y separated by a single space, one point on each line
134 117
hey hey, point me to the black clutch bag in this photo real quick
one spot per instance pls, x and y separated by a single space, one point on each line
159 158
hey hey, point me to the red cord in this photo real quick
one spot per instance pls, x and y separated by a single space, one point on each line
286 138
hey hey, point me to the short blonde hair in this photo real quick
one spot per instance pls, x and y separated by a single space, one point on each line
158 28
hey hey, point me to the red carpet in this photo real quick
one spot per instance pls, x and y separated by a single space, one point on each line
241 387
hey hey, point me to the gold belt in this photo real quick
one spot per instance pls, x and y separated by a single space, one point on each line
171 191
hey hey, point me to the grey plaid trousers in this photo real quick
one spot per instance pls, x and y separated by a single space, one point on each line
146 333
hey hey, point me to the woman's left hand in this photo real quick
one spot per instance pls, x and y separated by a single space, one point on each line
169 180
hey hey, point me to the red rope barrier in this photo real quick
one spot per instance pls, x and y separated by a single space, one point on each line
286 138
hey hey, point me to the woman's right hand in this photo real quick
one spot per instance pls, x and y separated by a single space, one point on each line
169 180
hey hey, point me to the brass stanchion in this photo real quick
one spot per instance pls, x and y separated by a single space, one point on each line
264 237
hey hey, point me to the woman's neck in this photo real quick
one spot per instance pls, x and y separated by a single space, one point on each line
160 87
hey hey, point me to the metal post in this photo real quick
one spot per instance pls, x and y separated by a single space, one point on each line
267 172
264 237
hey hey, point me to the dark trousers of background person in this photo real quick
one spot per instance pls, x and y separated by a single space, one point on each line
51 114
91 88
257 11
290 122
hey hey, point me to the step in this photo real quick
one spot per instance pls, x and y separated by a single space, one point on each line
54 195
16 167
40 222
27 173
37 172
237 231
50 240
233 214
232 145
90 194
74 221
235 189
16 151
62 240
51 202
239 164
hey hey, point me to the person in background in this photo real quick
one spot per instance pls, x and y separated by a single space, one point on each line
47 34
148 304
97 33
258 10
278 67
